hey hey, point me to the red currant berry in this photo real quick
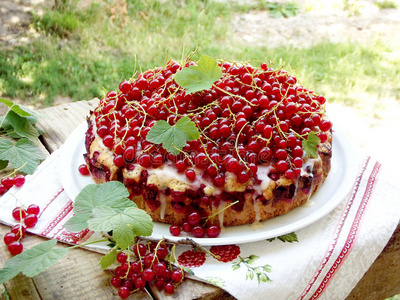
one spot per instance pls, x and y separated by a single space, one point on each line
159 268
15 247
140 283
190 174
18 213
148 274
119 271
119 161
125 86
186 227
325 125
194 218
33 209
139 249
18 230
30 220
213 231
169 288
298 162
83 169
136 267
121 257
177 275
7 182
144 160
123 292
175 230
116 281
282 166
149 259
198 232
2 189
162 252
19 180
10 237
323 137
289 174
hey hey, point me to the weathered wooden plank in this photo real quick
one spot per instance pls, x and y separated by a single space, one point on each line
21 287
192 289
59 122
382 280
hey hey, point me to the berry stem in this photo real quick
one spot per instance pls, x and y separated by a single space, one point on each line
215 214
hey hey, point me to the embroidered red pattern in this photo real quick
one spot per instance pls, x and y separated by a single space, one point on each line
58 218
75 237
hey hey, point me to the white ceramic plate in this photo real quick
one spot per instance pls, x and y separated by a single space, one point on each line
333 191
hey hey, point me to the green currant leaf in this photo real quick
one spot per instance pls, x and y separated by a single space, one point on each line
125 225
310 145
108 259
290 237
77 222
113 194
22 154
173 138
18 126
19 109
33 261
200 77
3 164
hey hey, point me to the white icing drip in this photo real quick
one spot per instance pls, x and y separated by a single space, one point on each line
163 200
221 214
256 224
309 164
262 174
309 203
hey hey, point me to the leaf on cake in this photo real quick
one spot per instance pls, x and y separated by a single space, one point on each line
310 145
173 138
200 77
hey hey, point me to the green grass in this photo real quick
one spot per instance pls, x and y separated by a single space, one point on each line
386 4
83 51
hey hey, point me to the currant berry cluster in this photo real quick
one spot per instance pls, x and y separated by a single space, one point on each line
8 182
27 218
150 265
194 227
250 118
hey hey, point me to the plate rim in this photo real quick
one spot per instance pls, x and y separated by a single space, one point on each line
74 141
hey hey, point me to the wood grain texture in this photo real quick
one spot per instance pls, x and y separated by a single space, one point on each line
59 122
382 280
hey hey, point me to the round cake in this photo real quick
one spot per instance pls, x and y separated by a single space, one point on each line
264 144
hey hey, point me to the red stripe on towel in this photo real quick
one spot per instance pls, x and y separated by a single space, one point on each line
51 201
338 230
353 234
